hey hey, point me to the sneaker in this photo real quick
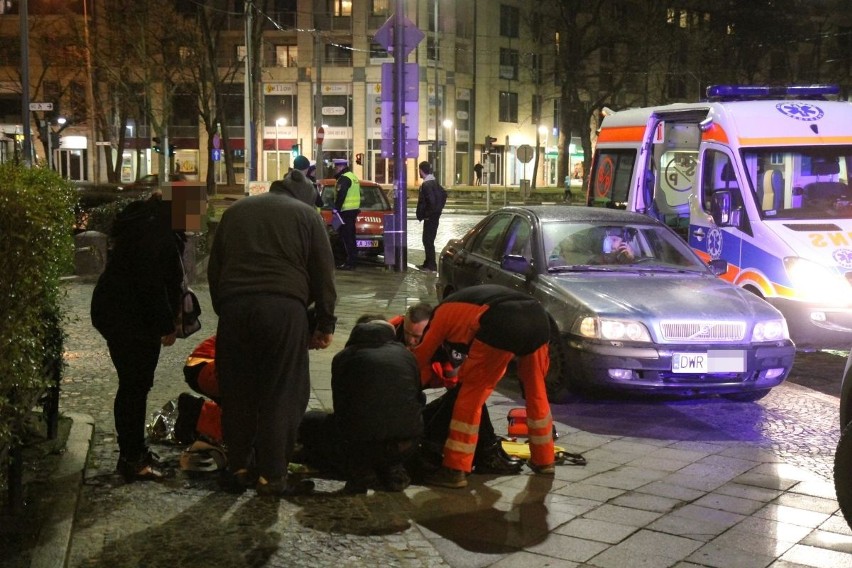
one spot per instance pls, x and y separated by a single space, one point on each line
549 469
446 477
144 468
494 464
424 268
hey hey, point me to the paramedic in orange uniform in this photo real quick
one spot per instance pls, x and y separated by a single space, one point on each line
492 324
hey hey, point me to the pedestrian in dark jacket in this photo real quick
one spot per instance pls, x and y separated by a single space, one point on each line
377 407
134 307
430 204
297 184
270 260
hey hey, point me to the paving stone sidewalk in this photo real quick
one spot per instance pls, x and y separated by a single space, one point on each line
691 483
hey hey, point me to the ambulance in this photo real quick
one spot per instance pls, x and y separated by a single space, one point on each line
757 177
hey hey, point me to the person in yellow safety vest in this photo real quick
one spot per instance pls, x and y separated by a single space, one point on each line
347 203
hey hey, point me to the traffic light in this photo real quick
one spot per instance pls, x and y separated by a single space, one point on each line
489 144
359 159
158 148
294 150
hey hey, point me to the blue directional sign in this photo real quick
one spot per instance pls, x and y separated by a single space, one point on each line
411 35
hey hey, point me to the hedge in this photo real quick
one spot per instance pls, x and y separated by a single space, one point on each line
36 250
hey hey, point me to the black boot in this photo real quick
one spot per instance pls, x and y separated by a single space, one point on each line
494 460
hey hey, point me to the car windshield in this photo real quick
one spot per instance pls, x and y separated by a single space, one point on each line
800 183
372 198
592 246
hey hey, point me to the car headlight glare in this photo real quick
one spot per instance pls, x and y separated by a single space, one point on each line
770 330
611 329
814 281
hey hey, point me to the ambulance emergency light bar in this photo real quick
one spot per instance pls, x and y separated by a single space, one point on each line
743 92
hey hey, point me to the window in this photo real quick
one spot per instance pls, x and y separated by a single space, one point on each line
340 7
610 179
488 241
378 52
510 17
286 56
338 54
535 68
508 106
508 63
536 108
432 50
241 53
380 8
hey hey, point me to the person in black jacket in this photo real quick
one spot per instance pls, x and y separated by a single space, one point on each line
134 306
430 204
377 407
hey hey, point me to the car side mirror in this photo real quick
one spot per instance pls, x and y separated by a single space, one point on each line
517 264
718 266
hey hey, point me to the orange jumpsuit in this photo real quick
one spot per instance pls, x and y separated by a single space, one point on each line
492 324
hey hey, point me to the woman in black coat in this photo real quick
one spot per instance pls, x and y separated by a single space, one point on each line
134 306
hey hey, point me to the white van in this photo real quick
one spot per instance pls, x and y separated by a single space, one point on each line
752 177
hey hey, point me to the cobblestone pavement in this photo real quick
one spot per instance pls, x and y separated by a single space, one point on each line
704 482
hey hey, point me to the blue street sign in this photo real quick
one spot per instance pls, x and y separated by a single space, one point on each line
411 35
216 154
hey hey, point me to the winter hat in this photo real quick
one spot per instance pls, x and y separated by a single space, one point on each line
301 163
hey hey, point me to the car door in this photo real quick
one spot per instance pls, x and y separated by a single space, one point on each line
481 257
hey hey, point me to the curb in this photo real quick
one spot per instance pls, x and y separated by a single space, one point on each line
55 536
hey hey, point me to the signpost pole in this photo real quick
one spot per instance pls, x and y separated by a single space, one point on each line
400 192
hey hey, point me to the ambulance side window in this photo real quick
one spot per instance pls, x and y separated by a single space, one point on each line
610 179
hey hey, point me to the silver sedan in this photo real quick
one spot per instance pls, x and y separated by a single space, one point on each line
631 306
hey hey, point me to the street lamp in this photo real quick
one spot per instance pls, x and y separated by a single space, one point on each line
281 121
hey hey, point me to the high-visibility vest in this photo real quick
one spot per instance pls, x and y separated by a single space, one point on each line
353 195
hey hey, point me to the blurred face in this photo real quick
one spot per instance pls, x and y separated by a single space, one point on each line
413 332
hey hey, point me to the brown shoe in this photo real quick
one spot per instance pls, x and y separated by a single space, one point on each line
446 477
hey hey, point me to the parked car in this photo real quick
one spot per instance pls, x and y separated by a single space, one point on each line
92 195
150 182
657 320
843 455
370 225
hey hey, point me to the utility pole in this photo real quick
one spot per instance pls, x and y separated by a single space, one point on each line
318 128
90 97
438 162
400 205
25 83
247 94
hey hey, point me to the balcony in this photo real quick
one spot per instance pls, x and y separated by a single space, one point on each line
327 22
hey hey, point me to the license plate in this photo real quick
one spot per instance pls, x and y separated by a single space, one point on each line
731 361
367 244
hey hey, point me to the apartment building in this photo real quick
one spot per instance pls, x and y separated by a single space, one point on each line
479 76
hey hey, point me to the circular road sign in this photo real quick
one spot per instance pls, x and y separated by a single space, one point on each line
525 153
320 135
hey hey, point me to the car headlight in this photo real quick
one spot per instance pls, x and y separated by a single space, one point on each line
611 329
813 281
770 330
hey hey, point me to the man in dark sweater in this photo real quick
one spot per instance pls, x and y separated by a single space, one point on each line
270 260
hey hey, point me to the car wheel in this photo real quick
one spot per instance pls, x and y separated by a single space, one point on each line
556 381
843 473
749 396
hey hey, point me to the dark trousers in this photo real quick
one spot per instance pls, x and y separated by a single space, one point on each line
438 414
135 360
347 235
430 231
264 381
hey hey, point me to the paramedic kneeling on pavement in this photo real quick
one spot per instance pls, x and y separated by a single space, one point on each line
492 324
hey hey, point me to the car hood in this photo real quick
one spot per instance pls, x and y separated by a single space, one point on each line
662 295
